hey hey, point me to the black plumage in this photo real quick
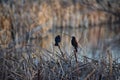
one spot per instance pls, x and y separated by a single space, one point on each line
109 4
74 43
57 40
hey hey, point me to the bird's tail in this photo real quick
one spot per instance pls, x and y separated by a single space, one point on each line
56 44
76 49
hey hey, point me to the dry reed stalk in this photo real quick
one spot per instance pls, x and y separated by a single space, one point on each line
75 56
21 76
61 51
78 68
110 62
90 74
63 72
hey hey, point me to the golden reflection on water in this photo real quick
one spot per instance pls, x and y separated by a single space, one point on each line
88 38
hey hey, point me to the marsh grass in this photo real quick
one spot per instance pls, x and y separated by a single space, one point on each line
23 59
35 63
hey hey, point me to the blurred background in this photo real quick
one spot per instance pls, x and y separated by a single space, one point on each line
31 26
93 22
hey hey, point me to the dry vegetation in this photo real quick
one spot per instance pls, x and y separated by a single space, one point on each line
35 63
22 58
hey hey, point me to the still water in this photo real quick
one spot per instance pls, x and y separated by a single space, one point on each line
91 41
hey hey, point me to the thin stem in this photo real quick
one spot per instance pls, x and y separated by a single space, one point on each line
75 56
61 51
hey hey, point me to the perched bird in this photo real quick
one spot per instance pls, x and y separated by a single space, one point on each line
109 4
74 43
57 40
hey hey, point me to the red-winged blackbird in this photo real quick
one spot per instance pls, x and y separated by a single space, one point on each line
57 40
74 43
109 5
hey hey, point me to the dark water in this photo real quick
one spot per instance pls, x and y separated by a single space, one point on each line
91 41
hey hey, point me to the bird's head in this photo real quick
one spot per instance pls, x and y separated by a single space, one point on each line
58 36
73 37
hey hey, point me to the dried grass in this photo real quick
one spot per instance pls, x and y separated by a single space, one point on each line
20 64
21 60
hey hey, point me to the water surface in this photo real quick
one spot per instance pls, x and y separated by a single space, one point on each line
91 41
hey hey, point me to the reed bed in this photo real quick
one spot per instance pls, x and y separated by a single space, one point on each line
23 59
35 63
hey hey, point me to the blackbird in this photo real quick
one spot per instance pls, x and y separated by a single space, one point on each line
57 40
109 5
74 43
